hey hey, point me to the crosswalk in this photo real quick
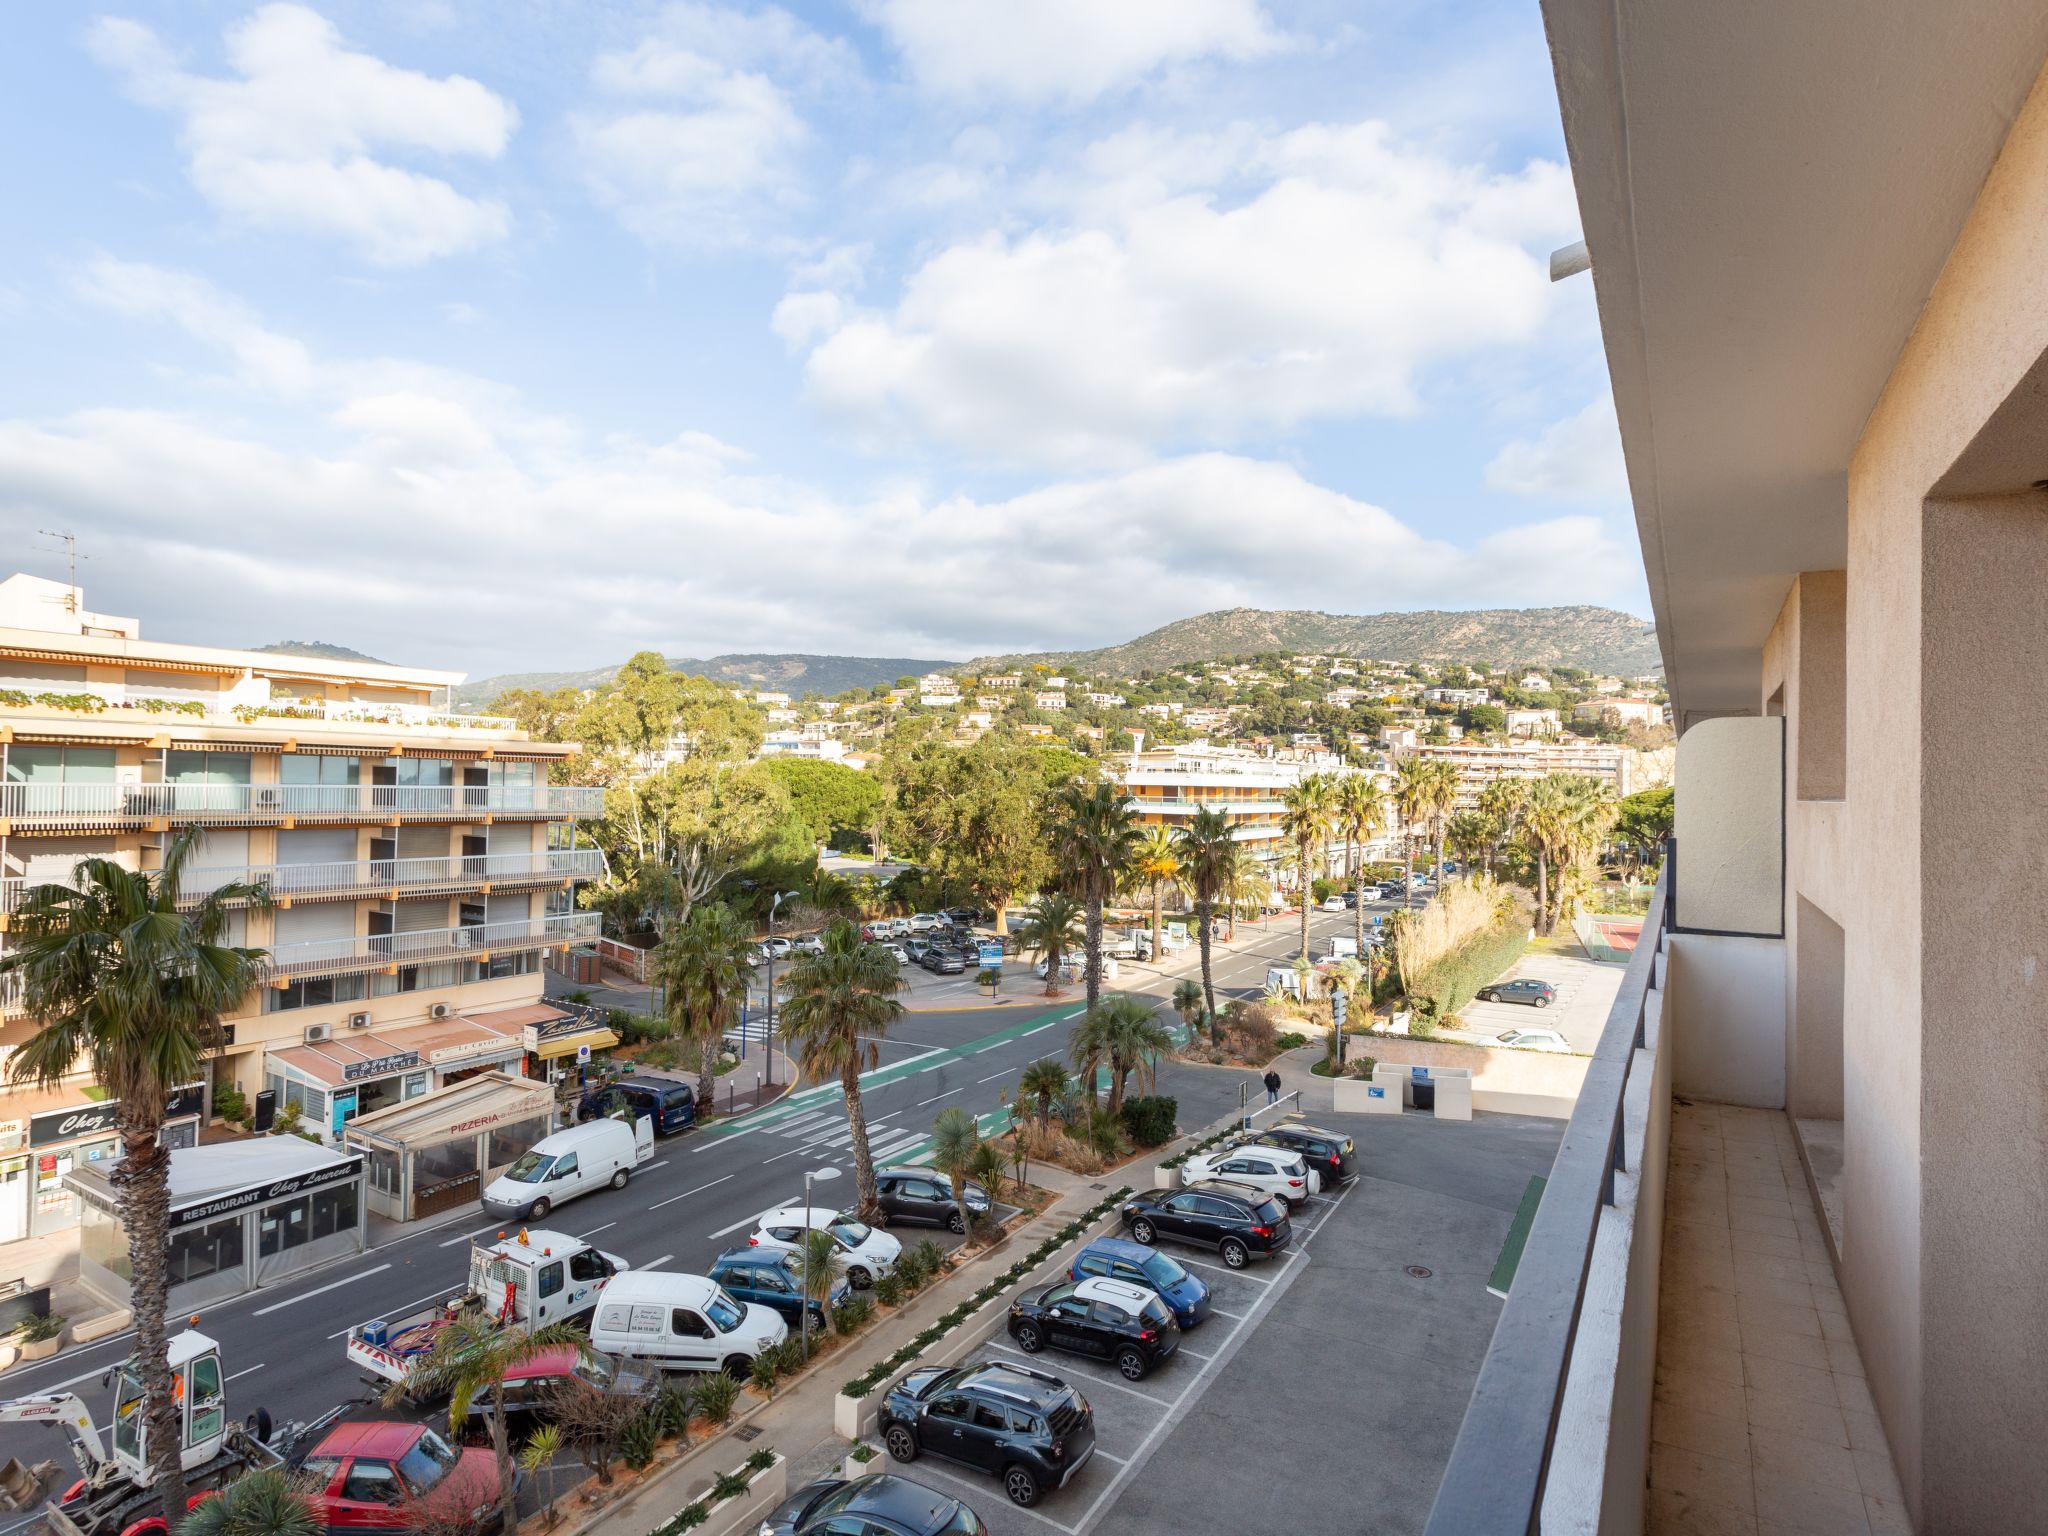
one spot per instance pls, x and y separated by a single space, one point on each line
825 1135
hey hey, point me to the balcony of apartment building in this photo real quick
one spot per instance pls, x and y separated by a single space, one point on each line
71 806
478 941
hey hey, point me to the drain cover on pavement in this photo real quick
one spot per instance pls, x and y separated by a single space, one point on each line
747 1432
1416 1271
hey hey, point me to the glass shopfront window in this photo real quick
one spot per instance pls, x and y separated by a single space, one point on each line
52 1207
451 1160
285 1225
507 1142
197 1252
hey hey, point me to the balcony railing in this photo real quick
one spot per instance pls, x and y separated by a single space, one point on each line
1493 1485
312 957
132 803
210 704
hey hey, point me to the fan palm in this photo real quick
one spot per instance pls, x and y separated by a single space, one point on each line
704 966
1563 822
123 977
1128 1033
1045 1080
1187 1002
1414 793
265 1502
1502 802
1209 851
1052 926
1157 863
1308 807
1095 835
955 1137
470 1358
986 1169
816 1276
837 1006
1441 801
1361 808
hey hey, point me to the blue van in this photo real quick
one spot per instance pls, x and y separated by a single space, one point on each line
1118 1259
669 1102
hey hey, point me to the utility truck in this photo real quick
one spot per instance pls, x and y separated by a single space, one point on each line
527 1281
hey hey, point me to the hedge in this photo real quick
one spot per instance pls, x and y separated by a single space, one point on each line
729 1485
1452 982
882 1370
1149 1121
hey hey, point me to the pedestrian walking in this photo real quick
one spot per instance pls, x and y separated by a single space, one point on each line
1272 1086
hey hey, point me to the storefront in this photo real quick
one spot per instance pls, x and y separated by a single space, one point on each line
51 1135
571 1033
364 1071
244 1214
436 1152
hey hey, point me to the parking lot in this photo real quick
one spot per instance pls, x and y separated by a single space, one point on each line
1360 1345
1585 992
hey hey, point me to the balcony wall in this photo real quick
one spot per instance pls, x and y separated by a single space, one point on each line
32 806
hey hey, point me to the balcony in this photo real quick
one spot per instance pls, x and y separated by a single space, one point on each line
30 807
479 941
172 704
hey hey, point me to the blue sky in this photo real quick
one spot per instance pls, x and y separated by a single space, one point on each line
513 336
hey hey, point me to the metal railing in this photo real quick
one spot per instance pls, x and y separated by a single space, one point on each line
371 877
370 951
1493 1484
212 704
116 803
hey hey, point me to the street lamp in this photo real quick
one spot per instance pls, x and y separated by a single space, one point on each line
827 1172
769 1040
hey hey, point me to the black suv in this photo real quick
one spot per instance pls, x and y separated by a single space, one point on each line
1239 1222
917 1194
1031 1430
1110 1319
1330 1153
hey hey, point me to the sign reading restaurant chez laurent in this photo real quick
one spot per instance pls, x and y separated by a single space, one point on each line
277 1189
379 1066
82 1120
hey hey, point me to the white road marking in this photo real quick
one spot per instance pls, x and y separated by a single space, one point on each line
938 1096
72 1381
279 1306
595 1230
469 1236
990 1078
672 1199
1235 1317
746 1221
1219 1269
657 1263
238 1375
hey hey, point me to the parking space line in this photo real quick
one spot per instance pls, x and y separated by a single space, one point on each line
1102 1455
1018 1354
1220 1269
934 1466
1184 1350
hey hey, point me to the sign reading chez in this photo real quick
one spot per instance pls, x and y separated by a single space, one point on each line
276 1189
83 1120
379 1066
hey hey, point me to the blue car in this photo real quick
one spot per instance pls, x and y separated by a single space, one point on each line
1121 1260
774 1279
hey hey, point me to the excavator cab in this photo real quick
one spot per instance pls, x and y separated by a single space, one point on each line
197 1389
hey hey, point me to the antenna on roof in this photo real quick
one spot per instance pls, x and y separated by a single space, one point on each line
71 558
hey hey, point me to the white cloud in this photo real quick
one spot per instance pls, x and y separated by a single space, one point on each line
696 140
1199 290
264 359
291 138
1578 458
1072 50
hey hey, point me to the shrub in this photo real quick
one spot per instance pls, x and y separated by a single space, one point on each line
761 1460
638 1441
888 1289
671 1410
730 1485
1149 1121
1251 1034
1450 982
852 1312
1291 1041
765 1372
231 1104
716 1395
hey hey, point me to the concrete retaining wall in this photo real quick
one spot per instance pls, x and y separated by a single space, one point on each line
1504 1081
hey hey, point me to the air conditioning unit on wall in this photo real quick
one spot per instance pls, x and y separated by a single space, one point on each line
438 1011
359 1021
315 1033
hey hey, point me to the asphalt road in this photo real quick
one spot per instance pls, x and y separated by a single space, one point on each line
282 1347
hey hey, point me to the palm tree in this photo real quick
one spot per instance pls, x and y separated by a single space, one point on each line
1209 850
1361 808
1563 823
470 1358
1502 802
837 1005
1095 835
1045 1080
1305 819
704 966
1157 863
817 1277
1129 1033
1086 1048
1470 836
1052 926
265 1502
538 1460
1414 793
1187 1002
119 979
955 1136
1441 801
986 1168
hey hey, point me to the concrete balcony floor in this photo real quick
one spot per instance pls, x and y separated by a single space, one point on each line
1762 1423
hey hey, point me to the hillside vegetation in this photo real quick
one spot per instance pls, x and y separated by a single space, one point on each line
795 674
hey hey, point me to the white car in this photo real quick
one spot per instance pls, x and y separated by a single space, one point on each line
814 945
774 949
1272 1170
925 922
1075 968
862 1252
897 953
1533 1040
1334 904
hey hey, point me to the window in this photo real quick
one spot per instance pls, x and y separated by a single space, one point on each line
427 1462
726 1313
1023 1423
987 1416
507 1142
954 1407
334 1210
318 768
196 1252
685 1324
1093 1264
587 1265
783 1234
564 1166
1109 1316
60 765
372 1482
1185 1203
208 1407
284 1226
550 1279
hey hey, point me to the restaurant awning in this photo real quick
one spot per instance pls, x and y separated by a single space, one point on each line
598 1039
360 1055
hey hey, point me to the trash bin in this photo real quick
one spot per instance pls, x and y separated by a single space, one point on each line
1421 1089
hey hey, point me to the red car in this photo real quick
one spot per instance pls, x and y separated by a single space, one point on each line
364 1475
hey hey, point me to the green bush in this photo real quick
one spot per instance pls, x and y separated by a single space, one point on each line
671 1410
765 1372
852 1312
730 1485
1149 1121
888 1289
231 1104
1290 1041
716 1395
639 1440
1322 889
761 1460
1451 983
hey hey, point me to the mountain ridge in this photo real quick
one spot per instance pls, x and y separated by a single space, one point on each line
793 672
324 650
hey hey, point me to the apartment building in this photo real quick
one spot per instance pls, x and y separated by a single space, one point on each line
420 861
1167 785
1459 696
1619 711
1481 763
1532 722
1786 1273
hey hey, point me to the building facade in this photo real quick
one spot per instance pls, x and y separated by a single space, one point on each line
1480 764
420 862
1168 785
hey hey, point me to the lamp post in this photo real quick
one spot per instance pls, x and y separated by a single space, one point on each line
827 1172
768 1040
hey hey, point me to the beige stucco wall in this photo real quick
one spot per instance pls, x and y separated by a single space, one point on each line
1504 1081
1729 820
1945 1299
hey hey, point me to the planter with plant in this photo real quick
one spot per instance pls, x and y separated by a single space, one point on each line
40 1337
858 1462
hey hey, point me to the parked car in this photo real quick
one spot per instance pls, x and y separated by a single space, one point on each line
1030 1429
917 947
918 1194
1332 903
772 1278
925 922
897 953
668 1102
811 944
1238 1222
1330 1153
368 1476
862 1252
683 1323
1127 1325
881 1504
942 962
1114 1257
1350 900
1270 1169
1075 968
1526 989
531 1385
567 1164
963 917
775 948
1533 1040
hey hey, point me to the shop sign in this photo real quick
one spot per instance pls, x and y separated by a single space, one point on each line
277 1189
468 1048
82 1120
379 1066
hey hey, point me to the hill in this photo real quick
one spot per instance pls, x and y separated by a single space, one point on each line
1598 639
322 649
795 674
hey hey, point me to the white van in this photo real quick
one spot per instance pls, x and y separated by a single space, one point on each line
1340 946
683 1323
1281 978
570 1163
